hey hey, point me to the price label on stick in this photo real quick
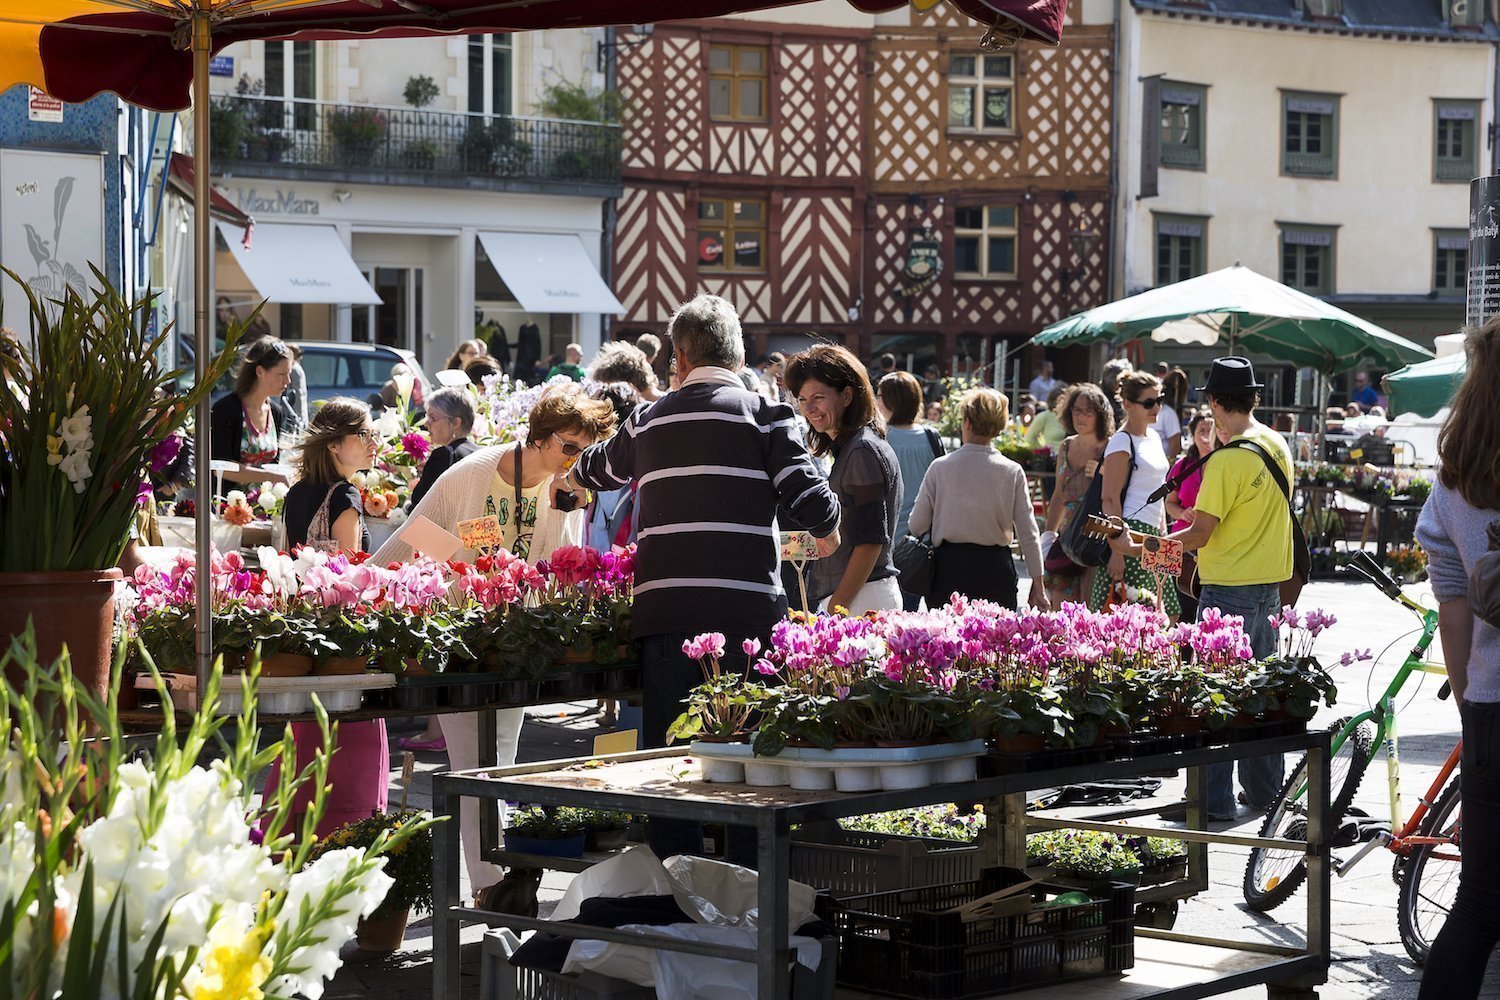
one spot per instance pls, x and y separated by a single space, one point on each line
1162 555
798 546
482 534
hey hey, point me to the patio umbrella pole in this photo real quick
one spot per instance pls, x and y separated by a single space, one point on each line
203 345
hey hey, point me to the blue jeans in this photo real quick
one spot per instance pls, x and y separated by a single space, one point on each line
1261 777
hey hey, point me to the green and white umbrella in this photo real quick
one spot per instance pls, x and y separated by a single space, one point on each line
1427 387
1247 313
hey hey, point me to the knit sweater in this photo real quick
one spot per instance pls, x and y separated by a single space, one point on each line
1453 535
713 462
977 495
460 493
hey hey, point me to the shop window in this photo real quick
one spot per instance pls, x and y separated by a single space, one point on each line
981 92
737 83
984 241
1307 260
1182 107
1450 260
1465 13
1309 135
1180 243
731 235
491 91
292 71
1453 140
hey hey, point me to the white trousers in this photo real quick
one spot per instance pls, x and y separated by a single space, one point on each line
877 595
461 731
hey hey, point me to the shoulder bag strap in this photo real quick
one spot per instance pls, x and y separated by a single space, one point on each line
935 442
319 531
516 513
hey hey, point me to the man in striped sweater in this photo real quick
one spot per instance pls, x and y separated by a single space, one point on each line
713 463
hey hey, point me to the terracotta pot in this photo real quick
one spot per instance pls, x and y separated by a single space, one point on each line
340 666
234 660
1177 725
573 657
382 933
412 665
75 609
286 665
1019 743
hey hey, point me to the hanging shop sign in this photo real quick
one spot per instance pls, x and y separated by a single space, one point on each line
711 250
924 263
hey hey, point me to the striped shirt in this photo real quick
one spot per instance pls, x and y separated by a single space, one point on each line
712 462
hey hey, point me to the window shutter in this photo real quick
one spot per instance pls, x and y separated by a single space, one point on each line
1150 136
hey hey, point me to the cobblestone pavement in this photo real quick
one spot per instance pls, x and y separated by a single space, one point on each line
1368 959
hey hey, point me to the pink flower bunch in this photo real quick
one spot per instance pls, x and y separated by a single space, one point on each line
415 444
1216 639
1299 630
418 586
709 645
497 581
573 565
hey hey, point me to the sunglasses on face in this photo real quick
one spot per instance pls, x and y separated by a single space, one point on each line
1148 404
569 449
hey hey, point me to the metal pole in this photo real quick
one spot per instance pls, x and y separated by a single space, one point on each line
203 344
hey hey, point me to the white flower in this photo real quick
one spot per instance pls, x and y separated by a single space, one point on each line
359 479
76 468
78 430
316 963
397 517
279 491
235 497
281 570
390 425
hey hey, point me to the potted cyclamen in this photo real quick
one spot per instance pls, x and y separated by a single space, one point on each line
719 709
82 410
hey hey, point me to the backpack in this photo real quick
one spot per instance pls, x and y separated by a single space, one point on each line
1484 582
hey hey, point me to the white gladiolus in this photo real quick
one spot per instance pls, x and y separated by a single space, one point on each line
76 468
390 424
317 963
78 430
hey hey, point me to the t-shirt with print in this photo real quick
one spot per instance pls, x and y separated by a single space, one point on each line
501 502
1252 543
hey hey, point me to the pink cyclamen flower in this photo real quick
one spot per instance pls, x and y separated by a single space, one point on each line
750 646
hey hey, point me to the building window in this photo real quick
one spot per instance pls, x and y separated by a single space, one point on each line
1453 139
1450 260
1466 13
1307 258
1182 106
1180 243
292 71
731 235
984 241
981 93
491 91
1309 135
737 83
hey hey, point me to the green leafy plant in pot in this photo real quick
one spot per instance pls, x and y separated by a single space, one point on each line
409 863
82 407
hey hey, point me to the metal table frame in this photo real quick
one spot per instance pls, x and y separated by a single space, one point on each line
1295 973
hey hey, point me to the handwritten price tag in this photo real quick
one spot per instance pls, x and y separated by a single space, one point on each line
482 534
1162 555
798 546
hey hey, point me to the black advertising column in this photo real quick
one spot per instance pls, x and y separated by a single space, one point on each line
1484 249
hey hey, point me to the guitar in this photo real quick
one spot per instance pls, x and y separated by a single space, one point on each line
1187 576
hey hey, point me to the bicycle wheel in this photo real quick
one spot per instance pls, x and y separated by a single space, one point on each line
1430 879
1271 876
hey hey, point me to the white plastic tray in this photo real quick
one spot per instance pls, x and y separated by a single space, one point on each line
276 695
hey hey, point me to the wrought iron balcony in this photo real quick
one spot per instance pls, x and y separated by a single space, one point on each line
1309 164
363 137
1455 170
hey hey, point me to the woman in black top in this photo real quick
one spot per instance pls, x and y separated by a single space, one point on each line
835 397
323 509
450 420
247 423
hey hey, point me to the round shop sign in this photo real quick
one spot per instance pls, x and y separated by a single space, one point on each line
710 250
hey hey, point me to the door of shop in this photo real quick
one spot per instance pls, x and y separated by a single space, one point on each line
400 319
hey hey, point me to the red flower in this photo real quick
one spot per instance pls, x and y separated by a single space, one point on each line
573 564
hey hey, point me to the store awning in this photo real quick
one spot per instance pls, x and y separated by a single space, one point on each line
300 264
549 273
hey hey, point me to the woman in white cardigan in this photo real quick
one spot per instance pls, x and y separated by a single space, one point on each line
517 484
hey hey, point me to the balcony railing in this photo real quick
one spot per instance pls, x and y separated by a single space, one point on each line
1308 164
364 137
1174 154
1455 170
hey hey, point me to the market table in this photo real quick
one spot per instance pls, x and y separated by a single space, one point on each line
664 783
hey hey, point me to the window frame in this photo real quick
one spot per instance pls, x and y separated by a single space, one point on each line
301 117
976 125
1310 234
1461 274
735 76
985 233
1186 156
1331 155
490 47
730 230
1199 250
1444 109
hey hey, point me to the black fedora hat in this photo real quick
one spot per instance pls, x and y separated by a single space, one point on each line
1231 374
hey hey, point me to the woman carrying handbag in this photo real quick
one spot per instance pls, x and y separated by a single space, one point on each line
1087 417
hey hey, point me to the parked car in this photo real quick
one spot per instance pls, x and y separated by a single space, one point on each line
357 370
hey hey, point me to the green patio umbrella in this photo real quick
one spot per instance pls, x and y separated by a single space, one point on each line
1248 313
1427 387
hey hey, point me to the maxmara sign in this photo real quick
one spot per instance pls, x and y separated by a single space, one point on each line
253 201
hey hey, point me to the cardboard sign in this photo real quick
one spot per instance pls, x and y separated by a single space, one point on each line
1162 555
429 539
624 741
798 546
482 534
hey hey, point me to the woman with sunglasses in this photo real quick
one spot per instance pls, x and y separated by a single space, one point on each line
1135 464
518 485
246 424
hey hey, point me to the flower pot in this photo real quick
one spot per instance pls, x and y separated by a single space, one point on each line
916 775
764 775
573 656
1019 743
340 666
1179 725
72 609
850 778
811 779
570 686
720 771
516 692
599 841
382 933
286 665
557 847
947 772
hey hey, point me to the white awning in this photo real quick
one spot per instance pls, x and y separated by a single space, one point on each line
290 263
549 273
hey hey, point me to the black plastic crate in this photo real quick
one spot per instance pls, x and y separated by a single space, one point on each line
903 943
857 862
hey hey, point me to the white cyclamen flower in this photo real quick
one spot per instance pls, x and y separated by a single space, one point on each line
281 570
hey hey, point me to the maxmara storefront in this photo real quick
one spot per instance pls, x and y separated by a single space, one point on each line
416 267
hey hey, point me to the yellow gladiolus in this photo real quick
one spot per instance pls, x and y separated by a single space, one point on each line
235 971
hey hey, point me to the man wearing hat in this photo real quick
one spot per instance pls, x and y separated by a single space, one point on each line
1242 532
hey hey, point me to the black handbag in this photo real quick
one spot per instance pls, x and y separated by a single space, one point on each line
1082 549
913 558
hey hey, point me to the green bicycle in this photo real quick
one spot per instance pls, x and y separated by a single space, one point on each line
1272 876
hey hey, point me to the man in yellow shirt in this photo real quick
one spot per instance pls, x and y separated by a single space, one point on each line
1242 530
